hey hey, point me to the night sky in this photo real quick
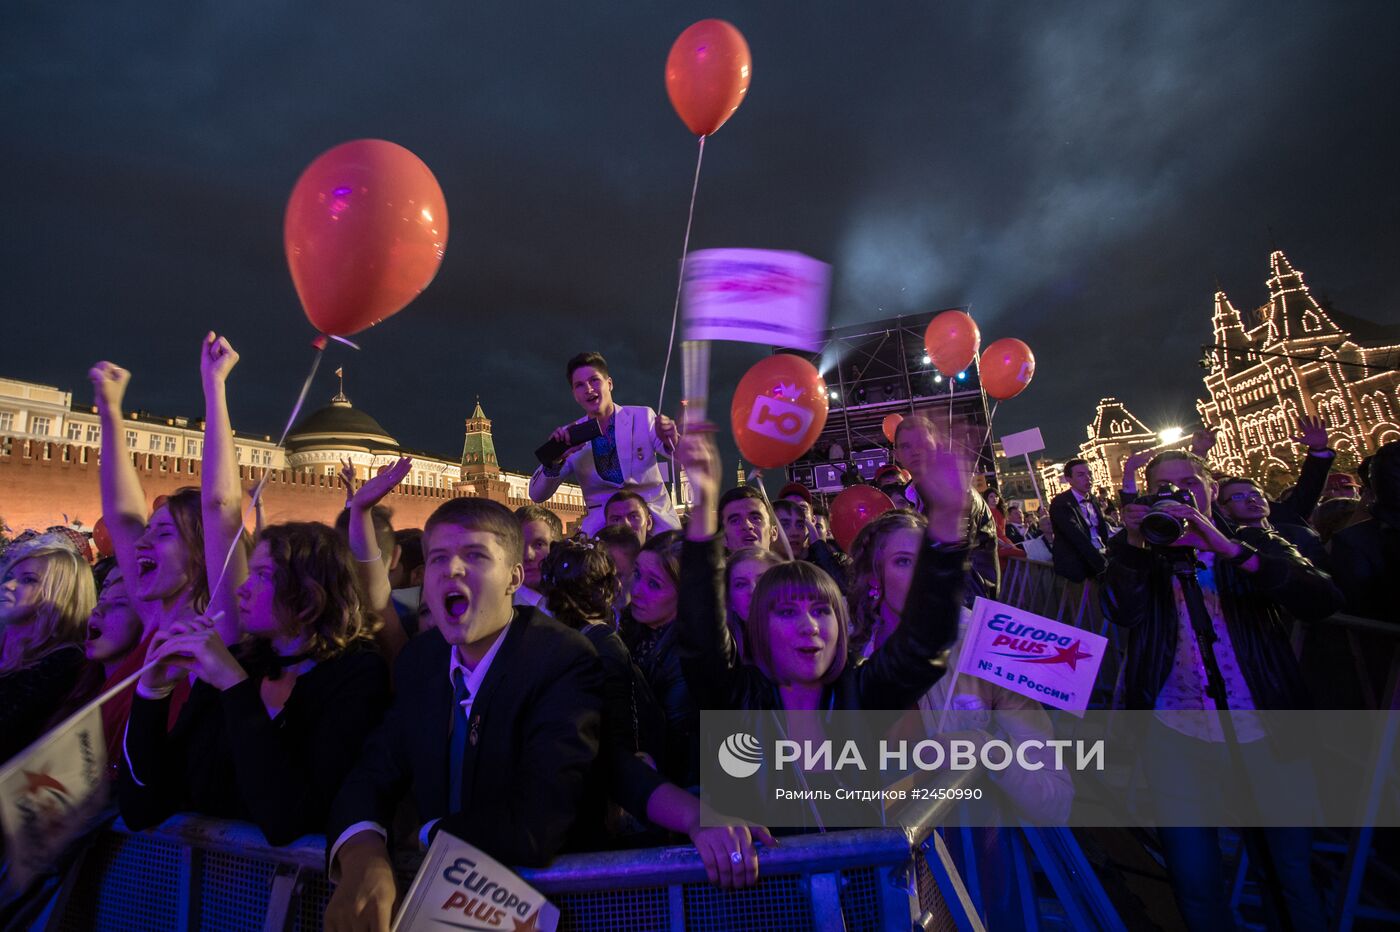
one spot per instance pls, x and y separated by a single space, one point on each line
1081 174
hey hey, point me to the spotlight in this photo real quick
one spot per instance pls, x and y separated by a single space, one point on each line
860 395
962 376
835 394
937 379
926 359
889 391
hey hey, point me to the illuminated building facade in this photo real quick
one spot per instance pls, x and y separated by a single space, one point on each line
1114 435
49 448
1288 357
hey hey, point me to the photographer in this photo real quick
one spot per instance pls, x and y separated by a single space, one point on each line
620 454
1247 583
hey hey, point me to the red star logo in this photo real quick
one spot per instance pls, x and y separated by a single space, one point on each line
42 781
1070 655
526 925
788 390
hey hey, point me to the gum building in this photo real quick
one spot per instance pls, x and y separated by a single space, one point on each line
1291 356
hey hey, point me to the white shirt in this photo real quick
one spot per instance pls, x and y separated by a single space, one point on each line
1091 518
527 596
473 677
1185 694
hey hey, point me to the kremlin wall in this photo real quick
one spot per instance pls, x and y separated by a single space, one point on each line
50 450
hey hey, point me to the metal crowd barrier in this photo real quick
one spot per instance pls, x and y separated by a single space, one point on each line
195 873
1362 652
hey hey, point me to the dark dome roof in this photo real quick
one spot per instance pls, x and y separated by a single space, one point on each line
338 425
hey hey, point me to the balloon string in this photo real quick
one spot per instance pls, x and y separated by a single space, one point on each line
257 490
951 383
680 283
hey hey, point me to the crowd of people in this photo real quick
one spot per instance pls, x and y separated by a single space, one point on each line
1261 567
533 692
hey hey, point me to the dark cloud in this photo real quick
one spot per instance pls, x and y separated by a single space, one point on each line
1081 174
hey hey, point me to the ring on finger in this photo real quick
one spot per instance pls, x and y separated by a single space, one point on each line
735 857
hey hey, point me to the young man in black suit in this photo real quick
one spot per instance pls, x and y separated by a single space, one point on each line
494 727
1081 533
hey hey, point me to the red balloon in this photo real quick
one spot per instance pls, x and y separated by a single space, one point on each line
952 340
102 538
1006 368
778 410
365 230
853 509
890 424
707 74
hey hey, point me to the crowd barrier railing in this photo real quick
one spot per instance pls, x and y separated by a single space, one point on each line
198 873
1372 648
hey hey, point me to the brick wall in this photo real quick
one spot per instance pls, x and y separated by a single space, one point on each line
40 482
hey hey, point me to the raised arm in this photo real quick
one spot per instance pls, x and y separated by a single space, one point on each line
221 492
709 659
915 655
1128 489
123 500
1317 463
373 569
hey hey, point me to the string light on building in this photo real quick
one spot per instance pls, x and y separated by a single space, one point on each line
1114 435
1291 357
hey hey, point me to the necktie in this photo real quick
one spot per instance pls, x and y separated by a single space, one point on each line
457 746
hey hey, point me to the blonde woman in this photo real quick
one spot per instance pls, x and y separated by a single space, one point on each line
46 595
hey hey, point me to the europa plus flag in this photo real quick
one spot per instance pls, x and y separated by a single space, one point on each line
1051 662
50 793
459 887
756 296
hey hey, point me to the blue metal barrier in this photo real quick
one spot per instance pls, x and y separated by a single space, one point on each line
199 873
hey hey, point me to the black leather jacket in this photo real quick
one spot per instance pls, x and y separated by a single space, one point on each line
902 670
1259 610
679 737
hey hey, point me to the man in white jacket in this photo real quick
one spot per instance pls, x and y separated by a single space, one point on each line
623 456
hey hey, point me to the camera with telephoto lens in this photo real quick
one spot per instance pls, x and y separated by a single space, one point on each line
1158 527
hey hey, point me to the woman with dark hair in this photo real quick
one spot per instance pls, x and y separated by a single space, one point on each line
798 623
582 583
741 574
268 734
271 728
648 630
